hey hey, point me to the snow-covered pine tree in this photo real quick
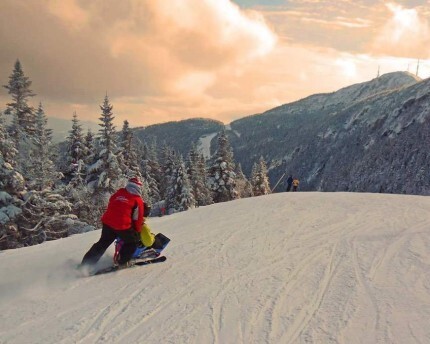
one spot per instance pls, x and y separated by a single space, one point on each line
146 166
179 193
185 192
244 187
154 164
129 157
222 178
22 127
130 162
11 186
169 164
19 89
206 194
8 150
76 145
43 172
75 170
89 143
73 166
145 193
104 173
197 175
46 214
259 178
168 158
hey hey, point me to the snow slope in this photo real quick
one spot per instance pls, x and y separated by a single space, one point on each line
284 268
204 145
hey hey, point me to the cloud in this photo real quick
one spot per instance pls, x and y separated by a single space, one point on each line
206 36
175 59
136 50
405 34
69 12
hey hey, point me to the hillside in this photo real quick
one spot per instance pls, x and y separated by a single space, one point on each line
284 268
178 134
366 137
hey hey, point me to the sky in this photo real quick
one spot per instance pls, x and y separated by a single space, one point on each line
302 267
166 60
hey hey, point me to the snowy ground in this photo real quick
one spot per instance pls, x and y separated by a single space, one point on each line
285 268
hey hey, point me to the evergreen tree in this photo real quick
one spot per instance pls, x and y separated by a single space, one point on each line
155 167
244 187
146 165
45 212
197 175
23 123
11 186
75 140
8 150
19 89
222 178
179 193
43 172
104 174
46 215
75 169
146 193
168 186
128 152
205 194
73 166
167 166
29 217
259 179
89 146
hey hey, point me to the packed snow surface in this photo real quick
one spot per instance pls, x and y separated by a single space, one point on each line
284 268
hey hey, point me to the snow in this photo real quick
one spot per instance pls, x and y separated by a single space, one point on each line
9 212
284 268
5 197
204 145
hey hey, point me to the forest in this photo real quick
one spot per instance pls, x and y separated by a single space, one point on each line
49 191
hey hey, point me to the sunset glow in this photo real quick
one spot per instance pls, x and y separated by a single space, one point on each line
163 60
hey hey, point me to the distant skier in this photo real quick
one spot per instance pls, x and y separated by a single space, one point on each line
289 182
124 219
295 184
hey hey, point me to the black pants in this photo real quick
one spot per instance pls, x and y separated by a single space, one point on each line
288 187
108 236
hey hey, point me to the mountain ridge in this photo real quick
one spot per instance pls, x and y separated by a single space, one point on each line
314 135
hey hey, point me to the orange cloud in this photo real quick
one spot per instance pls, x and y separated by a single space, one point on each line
69 12
405 34
175 59
189 49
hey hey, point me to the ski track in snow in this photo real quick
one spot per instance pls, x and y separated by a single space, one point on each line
284 268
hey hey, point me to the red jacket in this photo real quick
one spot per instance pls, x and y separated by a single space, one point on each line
124 211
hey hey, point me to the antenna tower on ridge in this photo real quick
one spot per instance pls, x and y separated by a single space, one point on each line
378 72
418 67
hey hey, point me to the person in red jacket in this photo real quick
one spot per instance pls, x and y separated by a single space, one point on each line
123 218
